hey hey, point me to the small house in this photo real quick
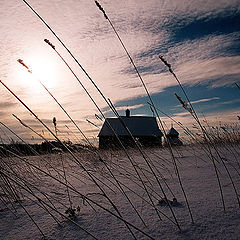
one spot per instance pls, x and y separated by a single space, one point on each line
173 137
144 130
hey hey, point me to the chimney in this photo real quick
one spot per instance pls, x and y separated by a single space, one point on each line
128 113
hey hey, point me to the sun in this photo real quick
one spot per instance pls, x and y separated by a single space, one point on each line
37 69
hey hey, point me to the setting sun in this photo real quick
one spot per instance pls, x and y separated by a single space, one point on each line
38 68
119 119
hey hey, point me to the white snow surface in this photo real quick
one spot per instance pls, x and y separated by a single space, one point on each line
198 179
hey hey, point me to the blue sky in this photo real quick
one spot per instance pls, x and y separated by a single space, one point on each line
201 40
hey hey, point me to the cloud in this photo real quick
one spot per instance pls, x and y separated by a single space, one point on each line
202 100
148 28
7 104
205 100
181 114
230 102
130 107
211 71
123 108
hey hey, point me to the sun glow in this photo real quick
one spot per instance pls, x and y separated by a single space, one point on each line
37 69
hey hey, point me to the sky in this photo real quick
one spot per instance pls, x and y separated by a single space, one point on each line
199 38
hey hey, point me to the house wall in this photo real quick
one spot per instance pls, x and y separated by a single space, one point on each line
106 142
174 141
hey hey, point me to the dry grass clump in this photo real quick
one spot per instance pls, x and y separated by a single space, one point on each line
62 188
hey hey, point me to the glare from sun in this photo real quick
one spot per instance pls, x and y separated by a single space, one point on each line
41 68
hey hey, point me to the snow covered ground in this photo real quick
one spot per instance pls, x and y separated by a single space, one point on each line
46 200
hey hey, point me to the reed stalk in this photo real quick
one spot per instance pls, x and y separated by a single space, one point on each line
100 111
74 157
44 22
82 196
152 103
205 135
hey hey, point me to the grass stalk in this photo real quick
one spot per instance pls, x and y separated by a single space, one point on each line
194 114
74 157
47 41
152 103
29 215
49 206
100 111
60 105
82 196
44 22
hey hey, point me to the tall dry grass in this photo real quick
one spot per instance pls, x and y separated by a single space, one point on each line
107 174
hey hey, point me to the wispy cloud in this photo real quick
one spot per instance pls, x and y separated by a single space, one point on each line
230 102
7 104
148 29
130 107
205 100
123 108
202 100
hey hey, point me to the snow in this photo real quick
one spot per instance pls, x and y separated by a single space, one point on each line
198 178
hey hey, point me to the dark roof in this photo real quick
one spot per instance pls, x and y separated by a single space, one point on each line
138 125
173 132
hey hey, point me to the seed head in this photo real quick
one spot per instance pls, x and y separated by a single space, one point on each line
166 63
54 121
21 62
184 103
49 43
101 9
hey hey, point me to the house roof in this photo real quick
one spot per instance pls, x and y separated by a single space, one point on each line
138 126
173 132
